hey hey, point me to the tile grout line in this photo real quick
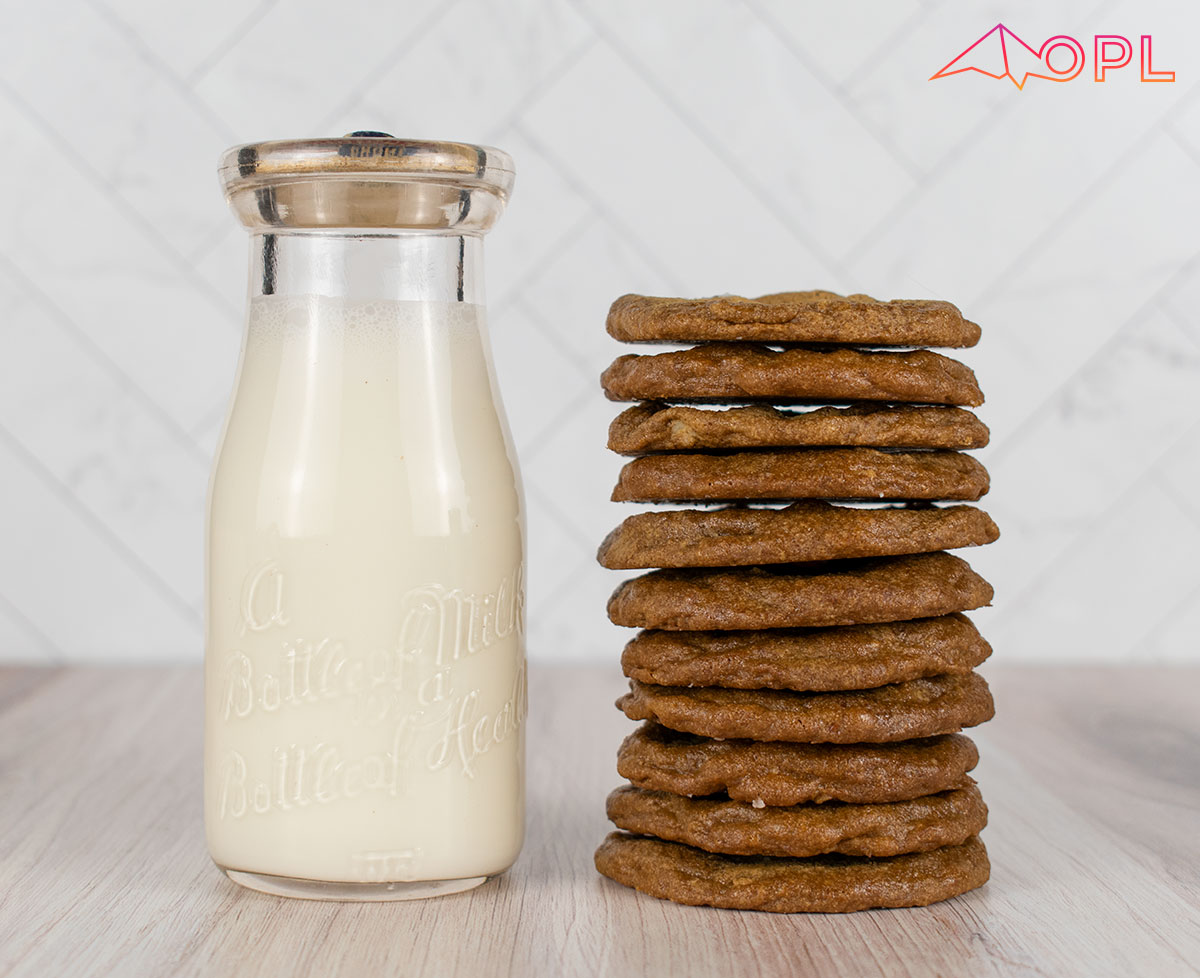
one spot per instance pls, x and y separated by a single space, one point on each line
1051 229
84 342
1173 613
143 570
514 292
151 58
211 419
230 41
563 521
837 91
1002 448
1184 325
955 152
380 68
598 205
554 75
910 24
56 655
209 245
538 442
1154 298
567 582
1186 147
950 156
553 338
713 145
1167 486
1086 534
131 213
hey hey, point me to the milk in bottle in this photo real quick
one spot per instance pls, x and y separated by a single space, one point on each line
364 678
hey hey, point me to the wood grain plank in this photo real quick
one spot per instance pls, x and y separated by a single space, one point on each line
1092 776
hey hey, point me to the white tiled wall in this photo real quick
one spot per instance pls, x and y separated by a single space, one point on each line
671 147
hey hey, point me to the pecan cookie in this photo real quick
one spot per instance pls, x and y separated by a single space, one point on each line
781 773
899 711
731 372
821 884
791 317
736 828
846 657
802 473
808 530
850 592
656 427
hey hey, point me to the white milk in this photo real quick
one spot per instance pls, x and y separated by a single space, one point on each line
365 680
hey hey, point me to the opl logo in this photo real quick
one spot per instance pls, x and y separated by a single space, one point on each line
1001 54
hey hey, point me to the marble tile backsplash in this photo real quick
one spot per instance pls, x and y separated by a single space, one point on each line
675 148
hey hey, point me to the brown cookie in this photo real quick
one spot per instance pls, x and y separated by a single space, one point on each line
836 593
672 428
737 828
791 317
801 473
849 657
899 711
724 372
659 759
821 884
804 531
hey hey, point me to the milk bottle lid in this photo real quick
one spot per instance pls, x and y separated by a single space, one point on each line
367 179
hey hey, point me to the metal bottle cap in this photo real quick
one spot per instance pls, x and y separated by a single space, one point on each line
367 180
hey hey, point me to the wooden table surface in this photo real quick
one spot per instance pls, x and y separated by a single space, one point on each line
1092 775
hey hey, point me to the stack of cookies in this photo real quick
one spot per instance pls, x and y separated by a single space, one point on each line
803 667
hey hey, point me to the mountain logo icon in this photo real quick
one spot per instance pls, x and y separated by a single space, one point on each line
1000 53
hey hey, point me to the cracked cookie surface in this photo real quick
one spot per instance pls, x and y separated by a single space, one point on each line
737 828
812 316
820 884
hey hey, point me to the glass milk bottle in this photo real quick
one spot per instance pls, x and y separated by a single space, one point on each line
364 664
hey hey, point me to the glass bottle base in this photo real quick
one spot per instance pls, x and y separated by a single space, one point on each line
303 889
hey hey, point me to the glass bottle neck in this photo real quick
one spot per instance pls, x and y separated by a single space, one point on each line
400 266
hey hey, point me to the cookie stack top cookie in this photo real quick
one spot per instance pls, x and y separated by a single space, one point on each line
815 316
804 666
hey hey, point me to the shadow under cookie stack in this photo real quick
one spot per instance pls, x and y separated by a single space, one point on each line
804 667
